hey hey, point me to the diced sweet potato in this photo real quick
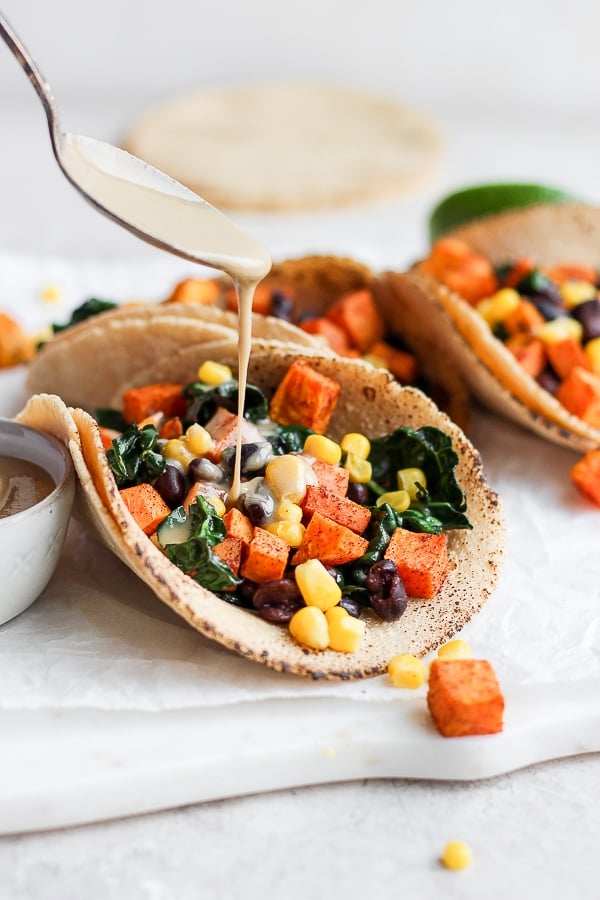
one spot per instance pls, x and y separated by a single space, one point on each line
266 557
519 270
202 489
229 551
464 697
401 364
206 291
579 393
171 428
572 272
334 478
107 436
565 354
529 351
16 346
358 315
223 428
585 475
339 509
238 525
329 542
163 397
525 318
305 397
145 505
336 338
462 269
421 559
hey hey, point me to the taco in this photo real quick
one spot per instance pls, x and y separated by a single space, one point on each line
455 508
514 299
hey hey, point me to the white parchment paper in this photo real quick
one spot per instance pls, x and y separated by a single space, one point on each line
98 638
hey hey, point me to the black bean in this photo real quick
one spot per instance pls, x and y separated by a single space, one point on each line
170 484
549 307
202 469
388 594
549 381
277 601
352 606
588 314
258 507
254 457
335 573
282 306
358 493
246 591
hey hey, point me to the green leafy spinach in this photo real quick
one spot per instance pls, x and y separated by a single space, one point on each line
134 457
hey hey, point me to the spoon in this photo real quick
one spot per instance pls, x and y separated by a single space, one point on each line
142 199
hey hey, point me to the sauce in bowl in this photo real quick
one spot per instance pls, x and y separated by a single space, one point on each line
22 484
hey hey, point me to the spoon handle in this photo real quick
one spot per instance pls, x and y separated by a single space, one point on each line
27 63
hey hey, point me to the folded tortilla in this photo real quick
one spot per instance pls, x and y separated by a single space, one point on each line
549 235
370 402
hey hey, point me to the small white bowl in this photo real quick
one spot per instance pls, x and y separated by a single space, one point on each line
31 540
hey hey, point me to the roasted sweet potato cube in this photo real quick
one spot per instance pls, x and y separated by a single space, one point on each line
529 351
145 505
340 509
229 551
329 542
401 364
464 697
223 428
579 393
525 318
305 397
202 489
357 314
585 475
334 478
421 559
462 269
205 291
163 397
565 354
238 525
334 336
265 558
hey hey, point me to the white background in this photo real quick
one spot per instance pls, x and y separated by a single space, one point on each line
515 91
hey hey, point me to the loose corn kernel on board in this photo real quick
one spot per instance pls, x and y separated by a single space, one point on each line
98 671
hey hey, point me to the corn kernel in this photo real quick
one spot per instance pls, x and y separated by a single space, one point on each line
406 671
356 443
359 470
410 479
345 631
178 451
198 440
290 532
286 511
287 477
309 627
560 328
317 586
592 352
576 292
398 500
334 613
214 373
457 855
323 448
217 504
456 649
496 308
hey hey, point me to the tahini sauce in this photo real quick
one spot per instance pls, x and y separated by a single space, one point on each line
167 214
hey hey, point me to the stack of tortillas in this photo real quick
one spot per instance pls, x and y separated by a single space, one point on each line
285 147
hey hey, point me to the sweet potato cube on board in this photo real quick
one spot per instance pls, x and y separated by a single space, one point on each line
265 558
223 429
229 551
163 397
464 697
585 475
335 337
205 291
334 478
145 505
421 559
329 542
339 509
565 354
579 393
238 525
529 351
401 364
357 314
305 397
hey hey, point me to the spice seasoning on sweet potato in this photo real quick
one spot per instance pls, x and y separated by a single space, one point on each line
229 551
421 559
334 478
146 506
162 397
332 544
238 525
265 558
338 509
464 697
304 397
